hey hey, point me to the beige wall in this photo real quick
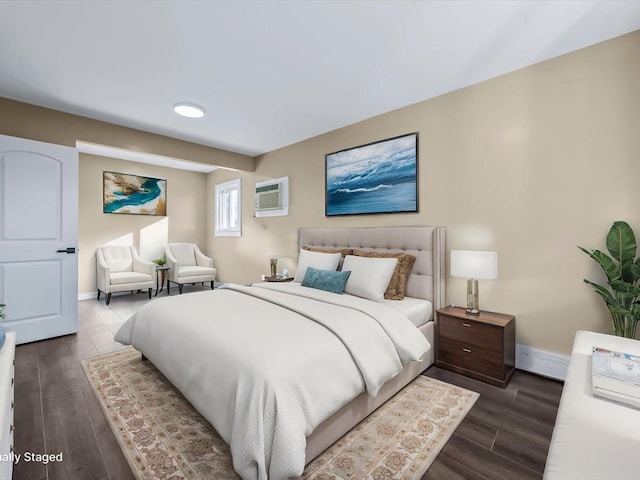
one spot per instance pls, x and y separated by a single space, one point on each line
529 164
37 123
185 220
186 193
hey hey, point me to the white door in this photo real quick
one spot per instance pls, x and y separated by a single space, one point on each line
38 238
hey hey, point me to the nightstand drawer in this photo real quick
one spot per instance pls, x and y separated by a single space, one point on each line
471 332
471 357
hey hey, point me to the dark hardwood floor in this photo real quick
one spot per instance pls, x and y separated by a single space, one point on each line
505 435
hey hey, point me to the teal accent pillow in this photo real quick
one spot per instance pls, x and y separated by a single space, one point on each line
3 336
328 280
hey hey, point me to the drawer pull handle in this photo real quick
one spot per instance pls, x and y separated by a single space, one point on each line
13 404
466 350
12 427
12 381
466 324
11 449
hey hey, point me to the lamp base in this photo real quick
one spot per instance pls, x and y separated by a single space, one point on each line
473 302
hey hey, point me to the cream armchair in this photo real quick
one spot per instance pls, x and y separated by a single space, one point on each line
119 268
188 265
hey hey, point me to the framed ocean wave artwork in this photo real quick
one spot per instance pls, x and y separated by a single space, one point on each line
133 194
380 177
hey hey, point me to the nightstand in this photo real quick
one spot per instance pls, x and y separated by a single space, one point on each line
478 346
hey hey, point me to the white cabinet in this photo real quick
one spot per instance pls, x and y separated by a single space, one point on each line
7 356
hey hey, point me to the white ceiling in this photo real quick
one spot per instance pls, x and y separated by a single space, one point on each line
272 73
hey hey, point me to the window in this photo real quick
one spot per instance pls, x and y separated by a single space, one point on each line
229 209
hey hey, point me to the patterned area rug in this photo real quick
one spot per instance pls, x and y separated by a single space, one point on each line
163 437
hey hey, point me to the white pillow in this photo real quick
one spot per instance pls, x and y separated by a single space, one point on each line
321 261
369 277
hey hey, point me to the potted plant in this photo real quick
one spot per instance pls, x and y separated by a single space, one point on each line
622 270
160 261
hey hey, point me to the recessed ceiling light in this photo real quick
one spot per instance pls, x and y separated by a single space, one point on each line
188 110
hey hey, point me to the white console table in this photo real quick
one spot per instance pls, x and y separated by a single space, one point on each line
593 438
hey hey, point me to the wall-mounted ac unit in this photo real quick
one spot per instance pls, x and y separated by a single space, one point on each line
268 197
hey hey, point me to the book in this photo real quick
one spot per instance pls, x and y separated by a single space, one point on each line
616 376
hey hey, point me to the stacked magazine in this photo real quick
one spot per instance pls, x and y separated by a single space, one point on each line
616 376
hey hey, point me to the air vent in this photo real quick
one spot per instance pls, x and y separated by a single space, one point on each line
268 197
548 364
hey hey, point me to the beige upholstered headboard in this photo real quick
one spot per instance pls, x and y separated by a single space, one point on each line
428 276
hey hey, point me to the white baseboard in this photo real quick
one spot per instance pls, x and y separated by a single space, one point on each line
87 296
94 295
541 362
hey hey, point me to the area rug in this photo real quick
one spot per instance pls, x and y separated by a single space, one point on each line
163 437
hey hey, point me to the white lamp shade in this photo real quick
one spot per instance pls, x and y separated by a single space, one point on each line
474 264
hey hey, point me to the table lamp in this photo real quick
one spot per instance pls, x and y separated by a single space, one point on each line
273 261
473 265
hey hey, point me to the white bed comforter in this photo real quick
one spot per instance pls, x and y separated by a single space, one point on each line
266 364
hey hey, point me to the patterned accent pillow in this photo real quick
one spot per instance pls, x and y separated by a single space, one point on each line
398 284
328 280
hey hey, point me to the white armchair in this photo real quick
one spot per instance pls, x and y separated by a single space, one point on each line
119 268
188 265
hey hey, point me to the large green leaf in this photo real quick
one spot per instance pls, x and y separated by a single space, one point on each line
624 287
609 266
606 295
635 310
625 312
621 244
635 270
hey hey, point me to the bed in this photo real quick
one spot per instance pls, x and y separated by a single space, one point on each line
282 371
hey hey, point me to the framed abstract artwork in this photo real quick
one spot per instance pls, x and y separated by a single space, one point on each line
380 177
133 194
